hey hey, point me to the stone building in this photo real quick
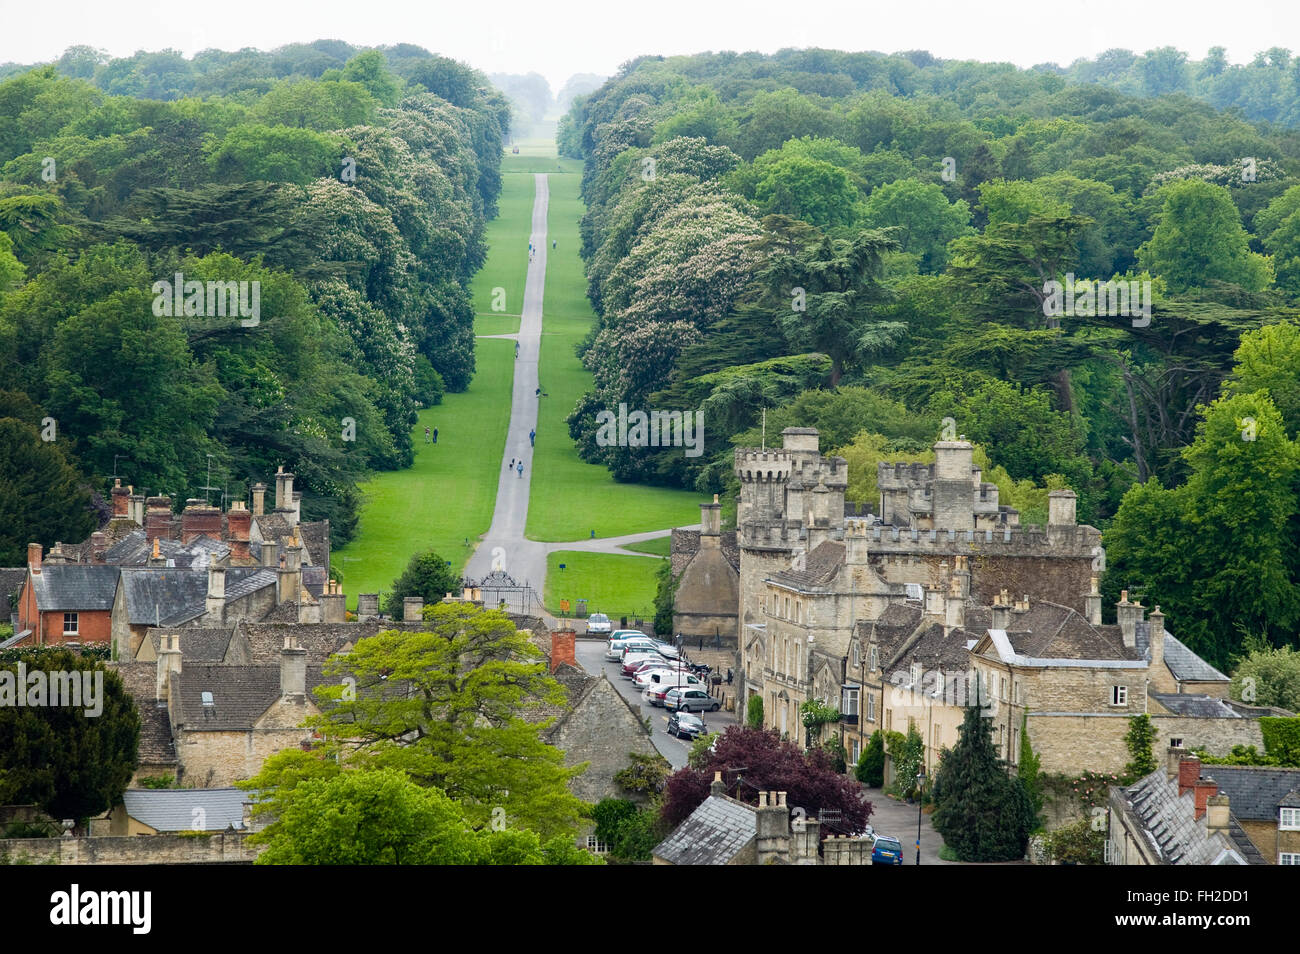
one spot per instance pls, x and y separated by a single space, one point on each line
707 569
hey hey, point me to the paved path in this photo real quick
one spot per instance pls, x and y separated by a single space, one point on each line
505 546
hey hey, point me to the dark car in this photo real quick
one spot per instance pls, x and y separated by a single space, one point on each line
685 726
887 851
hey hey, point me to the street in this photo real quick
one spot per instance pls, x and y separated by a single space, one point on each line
591 656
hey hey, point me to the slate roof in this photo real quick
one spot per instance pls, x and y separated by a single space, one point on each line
314 579
11 581
156 745
1196 705
315 537
1052 631
898 622
187 809
578 683
135 549
713 834
243 580
1256 791
272 526
1186 665
1166 820
934 650
75 587
686 543
815 569
198 643
241 694
165 596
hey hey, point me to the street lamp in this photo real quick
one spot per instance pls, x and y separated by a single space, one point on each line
920 790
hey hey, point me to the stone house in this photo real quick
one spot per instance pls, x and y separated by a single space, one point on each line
63 603
706 566
145 811
1265 802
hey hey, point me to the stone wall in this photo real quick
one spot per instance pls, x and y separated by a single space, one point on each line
219 759
602 731
1078 743
208 849
843 850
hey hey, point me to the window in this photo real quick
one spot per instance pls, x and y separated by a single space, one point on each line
1175 743
849 703
889 720
857 750
916 675
934 738
1002 688
1119 695
1290 820
871 708
207 699
1288 858
69 624
857 654
871 664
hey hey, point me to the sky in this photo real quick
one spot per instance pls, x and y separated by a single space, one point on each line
562 37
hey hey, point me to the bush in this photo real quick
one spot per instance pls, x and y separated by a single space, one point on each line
428 576
870 770
754 712
1140 740
1079 844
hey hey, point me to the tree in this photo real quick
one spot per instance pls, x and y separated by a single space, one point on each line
769 765
1268 359
754 712
450 706
383 818
871 763
1140 740
925 219
981 812
1200 240
1029 767
907 753
42 498
427 576
1269 676
70 763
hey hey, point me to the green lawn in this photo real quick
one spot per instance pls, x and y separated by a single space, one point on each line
507 262
570 498
659 547
612 584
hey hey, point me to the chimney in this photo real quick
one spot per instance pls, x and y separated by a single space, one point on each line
367 605
286 503
1218 813
958 591
1189 770
563 644
1128 615
155 555
158 518
34 558
289 579
135 507
270 551
772 821
198 519
710 523
259 499
293 672
1061 508
1174 756
238 527
169 661
1157 638
717 786
413 609
934 602
333 604
1202 792
216 602
98 544
1093 604
121 498
56 555
1001 611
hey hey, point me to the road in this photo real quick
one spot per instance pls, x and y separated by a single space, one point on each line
591 656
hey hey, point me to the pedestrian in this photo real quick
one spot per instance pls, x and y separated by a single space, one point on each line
552 243
435 435
520 467
728 675
516 349
537 393
512 464
426 435
532 438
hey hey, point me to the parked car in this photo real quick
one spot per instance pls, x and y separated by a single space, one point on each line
668 650
616 646
633 662
598 623
668 678
626 634
649 666
690 699
887 851
685 726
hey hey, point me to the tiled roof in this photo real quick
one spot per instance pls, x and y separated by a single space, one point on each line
134 549
1167 822
1052 631
1195 705
1186 665
166 596
933 649
686 543
898 622
1256 791
240 694
315 537
713 834
156 745
198 643
243 580
11 580
815 569
313 579
187 809
272 526
265 640
75 586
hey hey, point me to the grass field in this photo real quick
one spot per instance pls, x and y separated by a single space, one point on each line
507 262
659 547
570 498
611 584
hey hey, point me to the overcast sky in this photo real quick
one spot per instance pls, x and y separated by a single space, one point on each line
563 37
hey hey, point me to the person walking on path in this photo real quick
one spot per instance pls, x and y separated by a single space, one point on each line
512 464
426 435
552 243
532 438
435 435
516 349
520 467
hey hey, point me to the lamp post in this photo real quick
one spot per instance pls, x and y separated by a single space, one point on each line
920 789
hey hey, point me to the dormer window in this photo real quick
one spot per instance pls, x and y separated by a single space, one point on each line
873 660
916 674
1289 819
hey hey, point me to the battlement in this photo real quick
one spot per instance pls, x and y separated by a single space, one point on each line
1078 541
903 476
753 463
773 535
